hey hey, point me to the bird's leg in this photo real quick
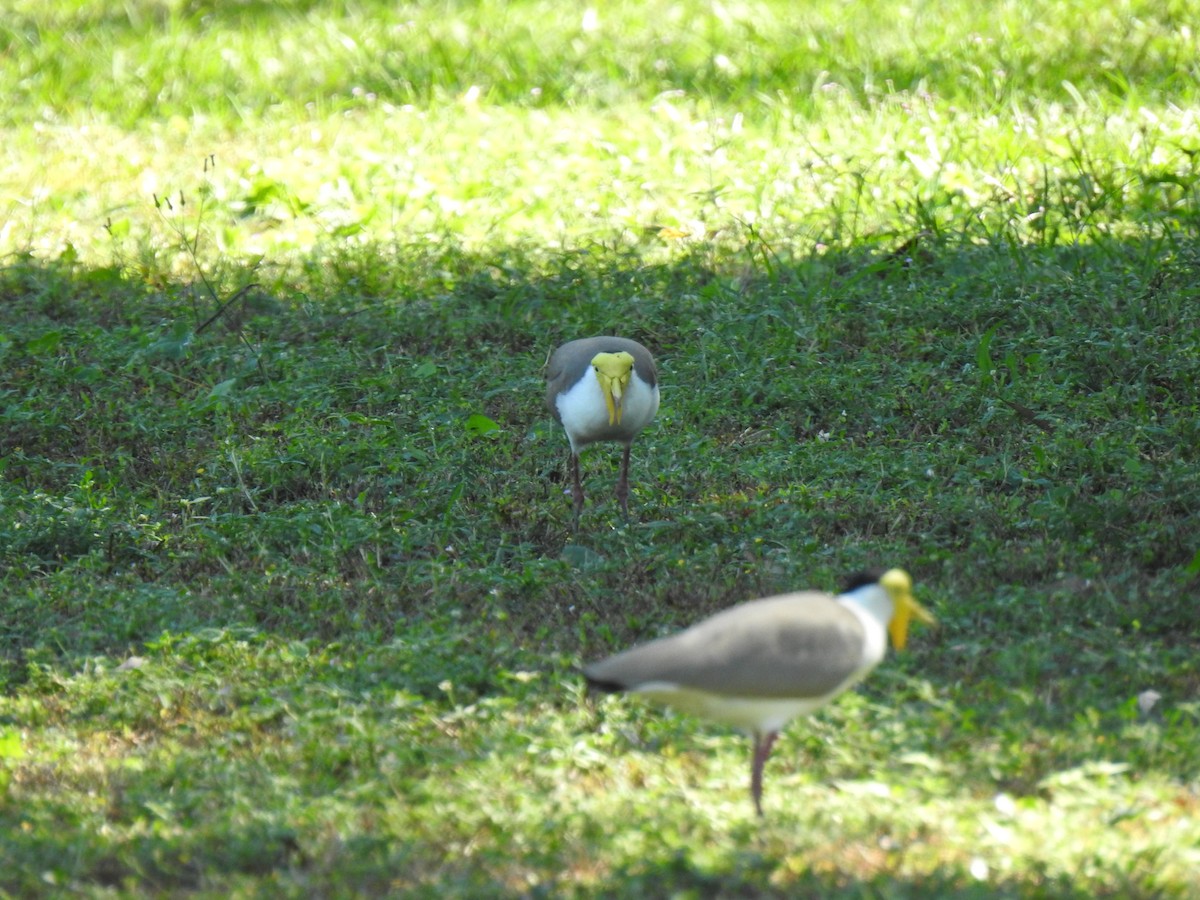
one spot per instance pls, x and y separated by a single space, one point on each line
576 488
623 483
762 749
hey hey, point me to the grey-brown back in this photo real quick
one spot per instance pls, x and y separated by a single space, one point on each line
804 644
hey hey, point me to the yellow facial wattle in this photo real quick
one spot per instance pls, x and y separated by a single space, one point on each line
898 584
613 371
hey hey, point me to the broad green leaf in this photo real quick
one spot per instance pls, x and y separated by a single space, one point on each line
480 425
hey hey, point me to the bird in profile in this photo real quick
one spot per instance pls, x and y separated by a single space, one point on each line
758 665
601 389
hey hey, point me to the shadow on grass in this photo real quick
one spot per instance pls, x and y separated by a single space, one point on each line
977 412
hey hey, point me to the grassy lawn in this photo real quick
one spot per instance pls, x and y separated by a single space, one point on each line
290 602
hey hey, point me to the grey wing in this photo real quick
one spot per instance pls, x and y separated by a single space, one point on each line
801 645
556 381
553 375
646 366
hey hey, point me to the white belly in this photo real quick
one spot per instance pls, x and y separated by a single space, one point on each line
747 713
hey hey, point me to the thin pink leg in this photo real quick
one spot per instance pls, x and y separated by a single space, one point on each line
623 483
762 749
576 488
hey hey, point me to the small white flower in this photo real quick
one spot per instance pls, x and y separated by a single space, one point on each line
1147 700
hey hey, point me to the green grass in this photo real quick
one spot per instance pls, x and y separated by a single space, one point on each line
289 600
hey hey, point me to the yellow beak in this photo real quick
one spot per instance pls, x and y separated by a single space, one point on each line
906 608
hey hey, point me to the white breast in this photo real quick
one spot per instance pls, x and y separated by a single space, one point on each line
584 413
